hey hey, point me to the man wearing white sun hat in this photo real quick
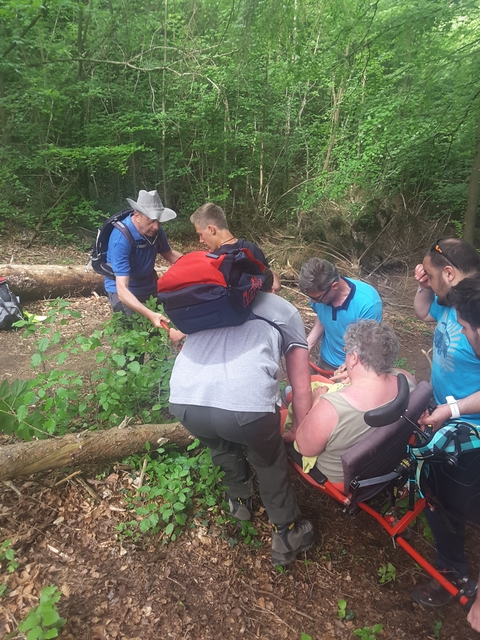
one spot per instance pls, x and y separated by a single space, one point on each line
134 264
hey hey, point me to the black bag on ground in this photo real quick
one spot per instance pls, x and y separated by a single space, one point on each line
10 311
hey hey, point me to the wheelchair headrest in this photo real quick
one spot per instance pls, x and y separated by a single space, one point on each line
392 411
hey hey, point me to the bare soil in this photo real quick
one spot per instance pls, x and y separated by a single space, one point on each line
208 584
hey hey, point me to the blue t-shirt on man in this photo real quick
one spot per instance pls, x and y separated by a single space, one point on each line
455 367
138 263
363 302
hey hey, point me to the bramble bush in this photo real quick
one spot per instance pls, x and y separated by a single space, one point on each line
129 377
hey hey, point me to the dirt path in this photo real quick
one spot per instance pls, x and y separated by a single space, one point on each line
208 584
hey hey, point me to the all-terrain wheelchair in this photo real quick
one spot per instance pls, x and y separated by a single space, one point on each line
382 465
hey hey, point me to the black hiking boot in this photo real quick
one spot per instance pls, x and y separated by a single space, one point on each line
240 508
290 540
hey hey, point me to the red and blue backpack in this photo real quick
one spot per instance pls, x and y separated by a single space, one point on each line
208 291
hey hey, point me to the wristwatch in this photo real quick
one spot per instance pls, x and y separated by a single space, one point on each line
452 403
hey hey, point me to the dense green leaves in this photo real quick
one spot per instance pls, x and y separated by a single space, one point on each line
275 110
175 484
132 379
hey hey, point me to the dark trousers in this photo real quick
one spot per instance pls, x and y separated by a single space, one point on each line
457 489
326 366
449 534
227 434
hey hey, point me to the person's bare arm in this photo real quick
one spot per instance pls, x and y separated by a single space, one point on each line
424 296
298 373
474 614
127 297
443 412
315 334
171 256
313 434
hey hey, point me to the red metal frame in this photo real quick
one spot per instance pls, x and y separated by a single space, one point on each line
323 372
394 529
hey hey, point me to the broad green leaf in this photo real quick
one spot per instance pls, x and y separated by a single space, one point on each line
43 344
36 360
22 413
144 525
50 617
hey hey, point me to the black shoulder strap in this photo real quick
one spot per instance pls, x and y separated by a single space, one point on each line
125 231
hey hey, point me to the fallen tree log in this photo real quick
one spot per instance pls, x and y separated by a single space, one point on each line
88 447
37 281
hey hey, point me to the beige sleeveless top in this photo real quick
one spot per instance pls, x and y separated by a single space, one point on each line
350 429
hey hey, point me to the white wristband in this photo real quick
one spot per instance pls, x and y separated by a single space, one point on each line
452 403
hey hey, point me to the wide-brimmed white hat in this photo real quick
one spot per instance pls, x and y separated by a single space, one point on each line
150 205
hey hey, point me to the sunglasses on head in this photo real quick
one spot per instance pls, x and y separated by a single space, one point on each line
436 247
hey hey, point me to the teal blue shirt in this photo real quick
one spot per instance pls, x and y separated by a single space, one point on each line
455 367
363 302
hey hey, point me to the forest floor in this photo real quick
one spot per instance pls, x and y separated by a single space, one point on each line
208 584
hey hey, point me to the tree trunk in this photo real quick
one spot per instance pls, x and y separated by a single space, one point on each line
88 447
473 194
34 282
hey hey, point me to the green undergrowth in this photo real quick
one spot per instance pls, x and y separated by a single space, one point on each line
129 376
180 489
43 621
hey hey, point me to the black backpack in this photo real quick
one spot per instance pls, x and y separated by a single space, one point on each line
10 312
98 257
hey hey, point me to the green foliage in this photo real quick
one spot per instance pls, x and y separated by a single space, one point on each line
248 533
44 621
427 532
437 627
401 363
342 612
178 486
280 112
71 212
17 413
282 570
368 633
7 557
305 636
387 573
130 377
